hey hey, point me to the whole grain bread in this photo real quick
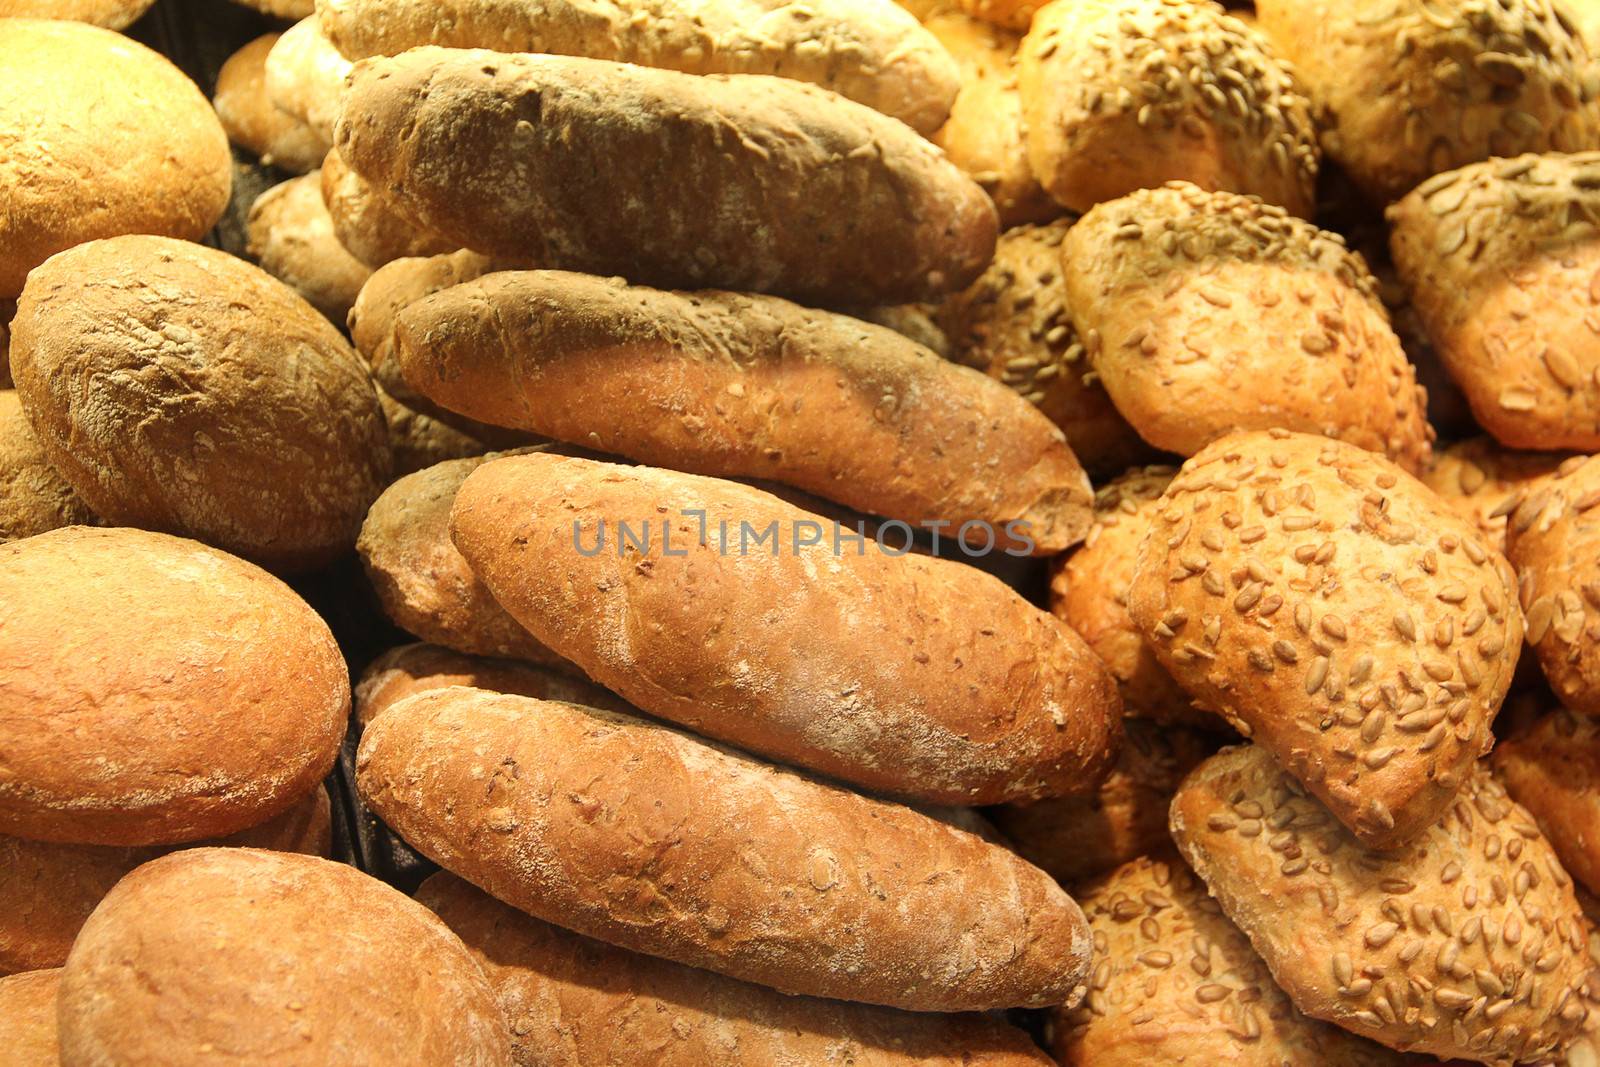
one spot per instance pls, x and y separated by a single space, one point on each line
112 14
1552 768
418 441
28 1020
291 236
1477 476
34 498
257 124
735 181
305 76
369 225
408 669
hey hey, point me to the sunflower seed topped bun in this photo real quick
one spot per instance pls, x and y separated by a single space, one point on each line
1206 313
1119 95
1476 476
1405 89
1552 768
1466 942
1334 609
1503 263
1012 14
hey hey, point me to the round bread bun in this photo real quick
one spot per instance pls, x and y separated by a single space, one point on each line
155 691
254 122
104 137
1012 14
112 14
1552 768
371 227
34 498
28 1020
1476 477
291 236
305 76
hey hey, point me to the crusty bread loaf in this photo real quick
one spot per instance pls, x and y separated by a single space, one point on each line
418 441
408 669
1553 769
233 956
112 14
572 1001
726 181
370 226
745 386
254 122
28 1020
652 840
1407 89
291 236
34 497
1119 95
1207 313
869 51
1476 476
1176 983
103 137
48 890
222 407
1330 606
906 674
153 690
1467 942
1012 14
305 76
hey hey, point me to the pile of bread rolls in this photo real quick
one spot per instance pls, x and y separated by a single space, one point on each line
835 531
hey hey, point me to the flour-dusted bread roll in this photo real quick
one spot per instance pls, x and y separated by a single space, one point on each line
408 669
154 690
34 498
735 181
369 225
1331 607
1207 313
291 236
216 956
1405 89
257 124
1467 942
650 839
103 137
112 14
1119 95
305 76
1552 768
222 407
28 1020
1476 477
922 677
49 889
750 386
869 51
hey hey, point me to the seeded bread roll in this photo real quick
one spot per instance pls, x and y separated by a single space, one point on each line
1207 313
217 956
34 498
1467 942
728 181
1502 260
112 14
840 662
572 1001
1077 838
1475 477
1013 323
698 854
1012 14
1553 769
409 669
1119 95
1553 539
254 122
291 236
305 76
369 225
48 890
418 441
1176 983
706 382
1408 88
103 137
1331 607
223 407
28 1020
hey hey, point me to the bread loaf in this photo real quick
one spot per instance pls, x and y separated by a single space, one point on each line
1476 476
28 1020
34 498
1207 313
257 124
1553 770
1329 606
223 407
103 137
1466 942
418 441
408 669
652 840
305 76
48 890
1012 14
291 236
154 691
727 181
572 1001
1119 95
370 226
869 51
749 386
905 674
112 14
219 956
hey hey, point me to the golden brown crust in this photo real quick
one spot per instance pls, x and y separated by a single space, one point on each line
572 1001
233 956
734 865
1119 95
1553 769
1502 260
409 669
112 14
102 137
305 77
222 406
48 890
706 382
28 1020
1476 476
370 226
419 441
1331 607
1466 942
34 498
847 671
1208 313
1404 89
675 180
1012 14
254 122
291 236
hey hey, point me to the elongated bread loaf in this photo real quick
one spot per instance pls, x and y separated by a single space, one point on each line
731 181
257 124
749 386
305 76
650 839
369 225
400 672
